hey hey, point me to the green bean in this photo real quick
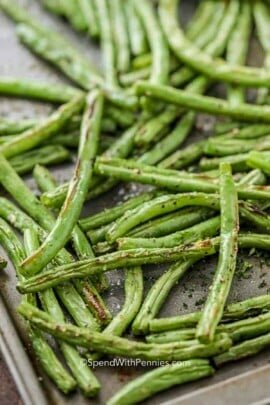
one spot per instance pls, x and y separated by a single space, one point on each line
213 309
251 131
160 226
158 45
133 300
201 61
137 39
122 147
25 88
48 155
256 216
248 328
171 336
75 305
202 230
70 140
33 137
171 203
130 78
132 303
66 59
262 19
142 69
98 235
142 61
123 118
238 331
157 295
120 346
183 157
160 379
148 132
107 46
25 198
237 162
53 6
89 12
170 142
156 207
133 258
50 363
259 160
212 105
86 380
156 125
208 228
74 15
169 179
173 222
223 127
200 20
235 311
119 28
213 39
83 250
217 147
237 49
11 127
113 260
109 215
254 177
44 352
55 49
77 192
20 192
134 171
242 350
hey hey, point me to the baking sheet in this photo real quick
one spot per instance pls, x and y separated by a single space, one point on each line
235 383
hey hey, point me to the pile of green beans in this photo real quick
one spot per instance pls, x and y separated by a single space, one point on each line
204 191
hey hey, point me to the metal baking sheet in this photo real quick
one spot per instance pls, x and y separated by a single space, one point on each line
244 383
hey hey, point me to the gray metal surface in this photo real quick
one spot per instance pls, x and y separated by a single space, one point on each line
242 383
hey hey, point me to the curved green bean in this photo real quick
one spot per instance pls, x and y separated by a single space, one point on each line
77 192
213 39
83 250
199 60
